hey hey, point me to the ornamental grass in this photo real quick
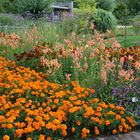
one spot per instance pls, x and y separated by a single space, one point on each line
33 108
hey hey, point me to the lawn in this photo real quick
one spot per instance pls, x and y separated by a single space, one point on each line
129 41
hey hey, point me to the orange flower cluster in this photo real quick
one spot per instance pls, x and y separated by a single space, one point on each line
33 108
131 54
11 39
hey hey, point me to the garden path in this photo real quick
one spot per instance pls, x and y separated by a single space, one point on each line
130 136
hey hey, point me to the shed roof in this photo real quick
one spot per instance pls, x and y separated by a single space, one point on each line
62 5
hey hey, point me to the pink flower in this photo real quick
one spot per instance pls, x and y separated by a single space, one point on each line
97 51
130 57
91 25
103 74
92 55
122 60
68 76
73 34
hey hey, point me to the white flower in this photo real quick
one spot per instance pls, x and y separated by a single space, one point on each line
134 99
84 36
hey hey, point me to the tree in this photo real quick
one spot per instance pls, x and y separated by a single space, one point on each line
134 6
121 11
108 5
34 7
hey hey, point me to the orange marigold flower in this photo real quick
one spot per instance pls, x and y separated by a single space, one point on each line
98 114
95 100
97 132
9 126
19 132
107 122
111 106
114 131
3 125
42 137
73 129
120 128
49 138
85 131
42 95
78 123
6 137
122 112
99 109
29 138
118 117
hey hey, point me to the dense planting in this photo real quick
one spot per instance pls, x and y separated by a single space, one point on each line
32 107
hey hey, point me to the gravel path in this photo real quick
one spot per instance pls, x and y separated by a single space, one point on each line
130 136
135 135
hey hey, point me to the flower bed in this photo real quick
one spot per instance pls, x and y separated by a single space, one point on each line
33 108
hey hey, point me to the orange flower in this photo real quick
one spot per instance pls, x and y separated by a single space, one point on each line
107 122
9 126
95 100
19 132
97 132
118 117
6 137
120 128
78 123
49 138
41 137
122 112
98 114
63 128
56 101
111 106
3 125
99 109
29 138
42 95
73 129
114 131
85 131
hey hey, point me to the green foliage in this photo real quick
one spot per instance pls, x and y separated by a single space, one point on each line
85 4
134 6
121 11
2 5
6 20
34 7
79 23
136 24
108 5
104 20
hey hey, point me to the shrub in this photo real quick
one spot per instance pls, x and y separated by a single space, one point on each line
108 5
104 20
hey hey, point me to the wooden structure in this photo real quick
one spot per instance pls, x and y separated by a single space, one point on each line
61 10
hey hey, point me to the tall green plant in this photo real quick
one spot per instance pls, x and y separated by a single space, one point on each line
108 5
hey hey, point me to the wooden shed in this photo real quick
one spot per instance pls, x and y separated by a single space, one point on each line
61 10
